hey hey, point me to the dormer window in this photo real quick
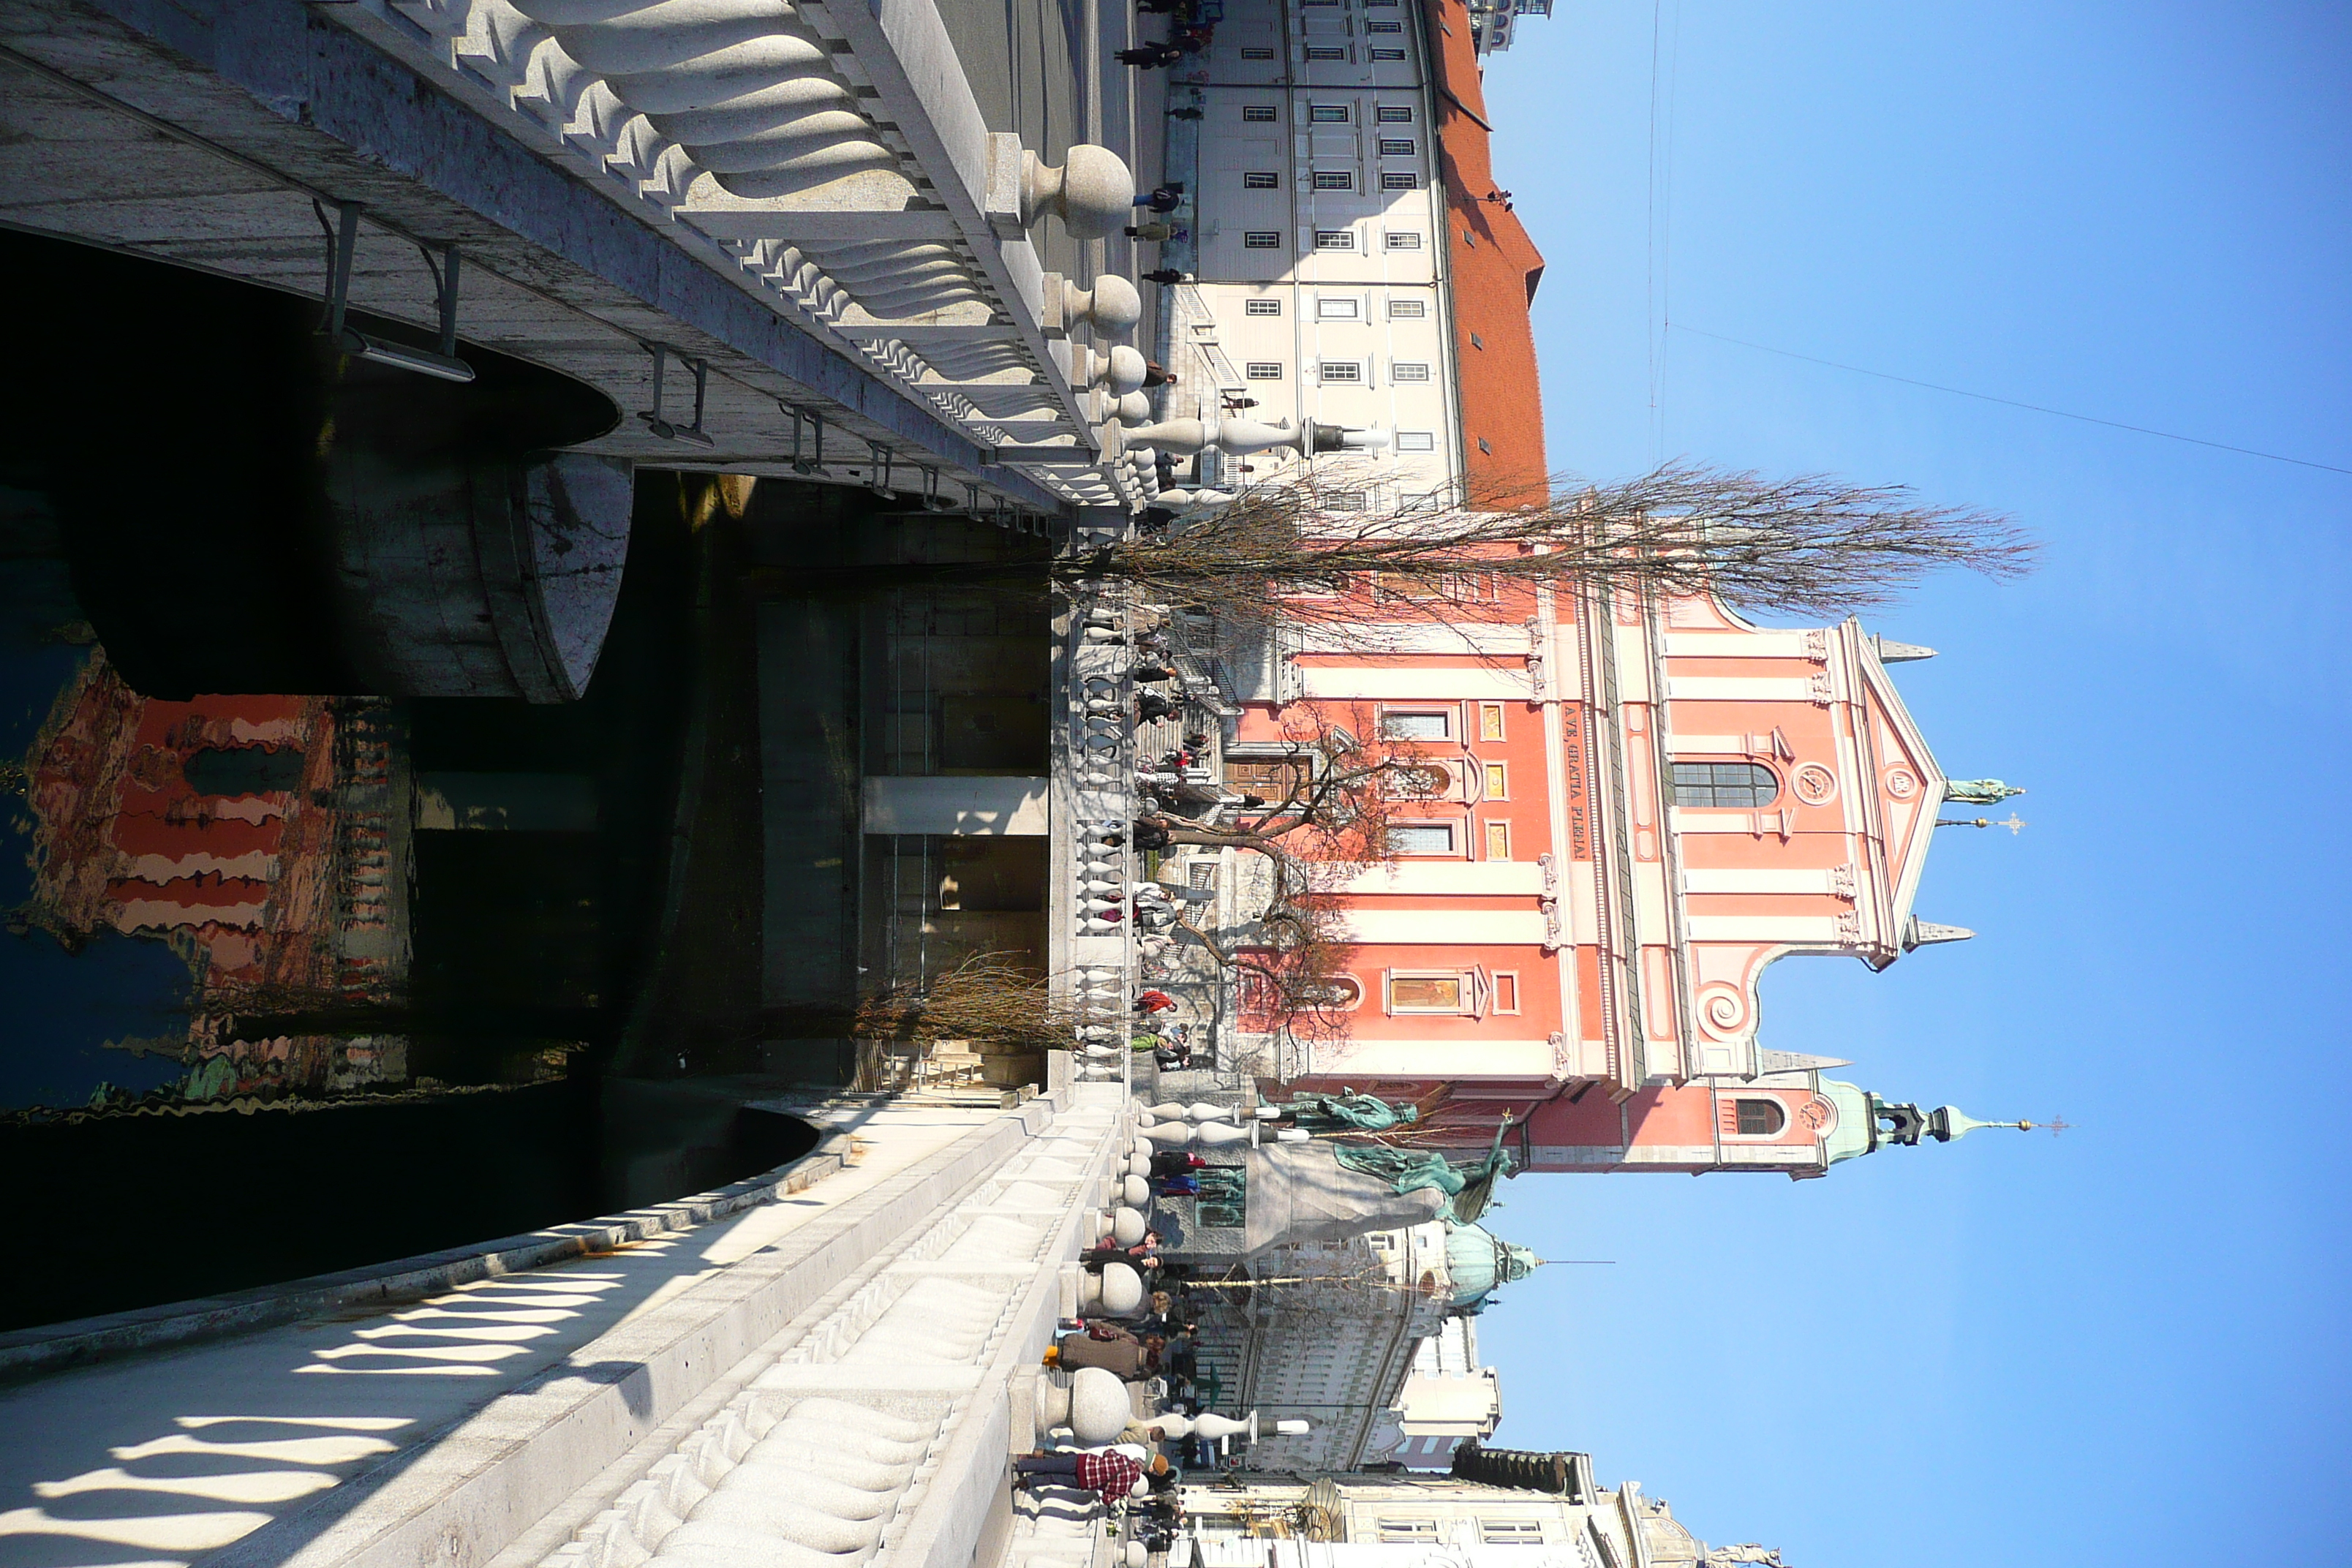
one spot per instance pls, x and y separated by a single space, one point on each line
1740 785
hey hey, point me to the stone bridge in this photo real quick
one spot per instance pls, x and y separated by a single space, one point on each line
876 244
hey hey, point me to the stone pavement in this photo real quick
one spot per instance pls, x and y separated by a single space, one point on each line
493 1421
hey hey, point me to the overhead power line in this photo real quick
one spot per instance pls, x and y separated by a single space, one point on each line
2008 401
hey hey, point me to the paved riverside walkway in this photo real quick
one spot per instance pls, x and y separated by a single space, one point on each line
444 1428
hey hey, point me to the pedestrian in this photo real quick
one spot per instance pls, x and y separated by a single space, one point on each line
1180 1187
1176 1162
1154 1002
1126 1355
1161 198
1166 277
1154 233
1150 705
1155 375
1150 57
1105 1471
1149 671
1183 114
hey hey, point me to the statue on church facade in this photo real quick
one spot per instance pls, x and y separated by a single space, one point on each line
1978 791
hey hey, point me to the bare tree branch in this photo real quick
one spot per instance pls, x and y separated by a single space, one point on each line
1809 545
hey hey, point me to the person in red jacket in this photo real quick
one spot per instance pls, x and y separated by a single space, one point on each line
1104 1471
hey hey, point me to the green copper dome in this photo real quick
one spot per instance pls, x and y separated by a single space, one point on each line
1854 1133
1477 1261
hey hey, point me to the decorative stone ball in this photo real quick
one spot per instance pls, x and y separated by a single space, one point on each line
1137 1554
1126 369
1122 1293
1099 1407
1136 1190
1098 192
1135 408
1118 305
1139 1164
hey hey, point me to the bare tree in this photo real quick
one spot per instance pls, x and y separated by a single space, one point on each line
1810 545
1340 784
989 1001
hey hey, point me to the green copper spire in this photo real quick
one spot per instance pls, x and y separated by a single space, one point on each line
1866 1124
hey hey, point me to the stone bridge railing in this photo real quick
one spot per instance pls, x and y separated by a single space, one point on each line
835 156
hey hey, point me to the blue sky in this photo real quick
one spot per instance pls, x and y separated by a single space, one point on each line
2127 1344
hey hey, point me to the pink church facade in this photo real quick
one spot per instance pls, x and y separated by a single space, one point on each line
1644 808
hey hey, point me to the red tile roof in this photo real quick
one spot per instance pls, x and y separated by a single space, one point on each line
1495 267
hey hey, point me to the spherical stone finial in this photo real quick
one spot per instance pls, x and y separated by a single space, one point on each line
1112 307
1125 371
1127 1225
1091 190
1099 1409
1122 1289
1135 408
1118 305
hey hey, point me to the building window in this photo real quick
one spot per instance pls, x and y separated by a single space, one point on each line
1262 239
1425 991
1743 784
1761 1117
1335 179
1498 841
1398 241
1330 309
1335 239
1340 501
1498 781
1490 720
1407 1530
1262 308
1261 180
1417 724
1398 147
1264 370
1483 447
1259 114
1416 441
1408 310
1258 55
1379 56
1326 113
1476 341
1399 180
1314 54
1384 27
1201 874
1510 1531
1408 370
1341 370
1469 240
1394 114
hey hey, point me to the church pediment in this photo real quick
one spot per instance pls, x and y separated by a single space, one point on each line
1907 792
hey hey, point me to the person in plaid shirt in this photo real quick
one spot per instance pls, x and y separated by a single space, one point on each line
1104 1471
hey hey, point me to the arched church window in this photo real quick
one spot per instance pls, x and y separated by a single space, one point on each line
1726 783
1761 1117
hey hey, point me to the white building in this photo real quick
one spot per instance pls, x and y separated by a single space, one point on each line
1409 1521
